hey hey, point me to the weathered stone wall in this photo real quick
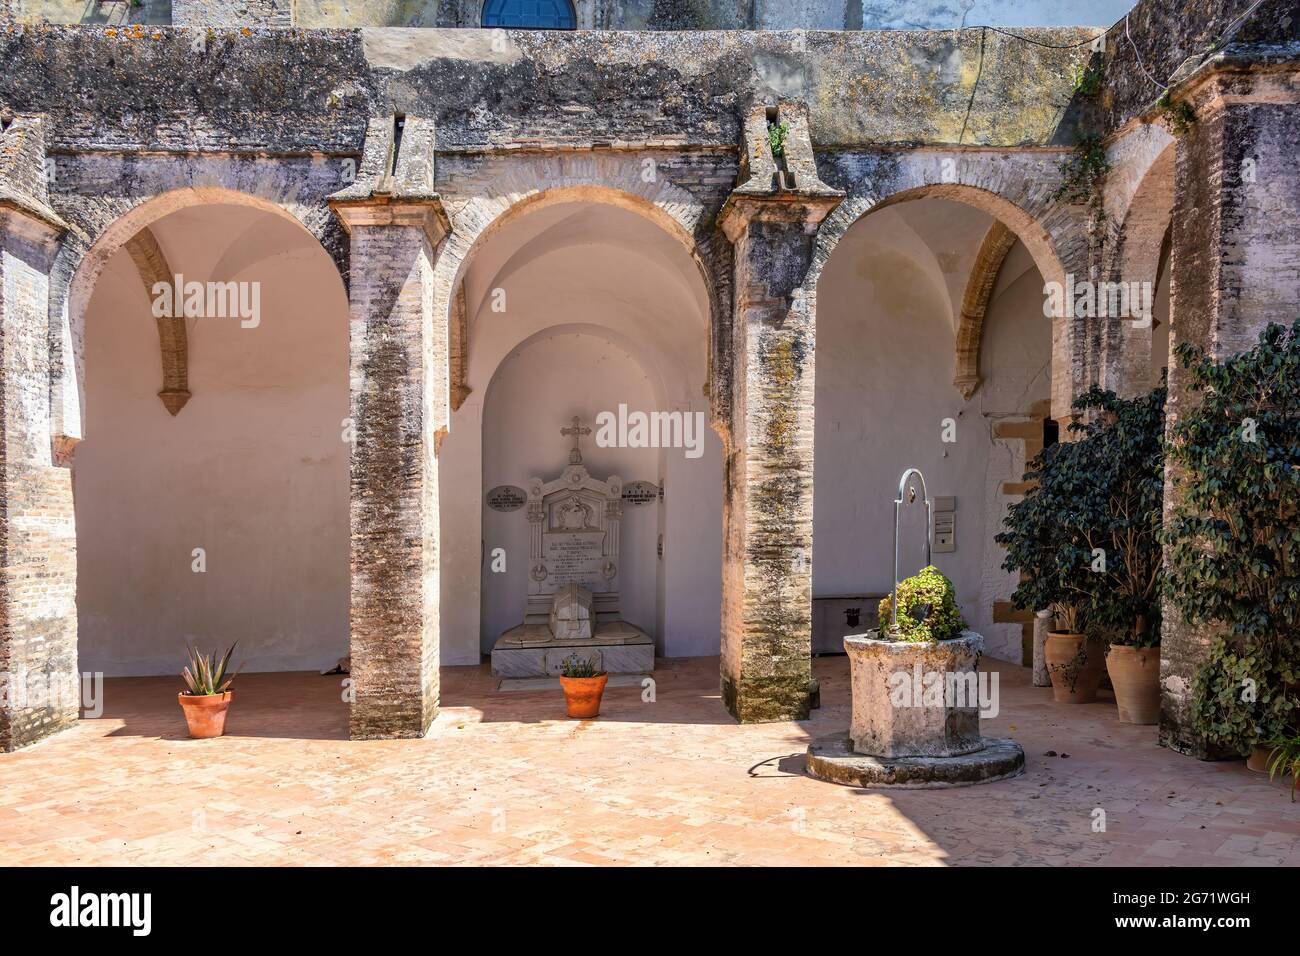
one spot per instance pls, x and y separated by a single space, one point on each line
1236 268
137 111
1159 43
230 90
39 691
589 14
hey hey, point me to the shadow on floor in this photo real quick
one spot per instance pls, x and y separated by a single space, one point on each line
295 705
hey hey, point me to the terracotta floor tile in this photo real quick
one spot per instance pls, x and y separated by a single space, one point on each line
502 778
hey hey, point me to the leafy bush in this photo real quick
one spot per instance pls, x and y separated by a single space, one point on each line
927 608
1284 758
1086 536
1234 541
1242 698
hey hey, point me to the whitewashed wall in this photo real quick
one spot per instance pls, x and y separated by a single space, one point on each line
602 307
885 364
253 469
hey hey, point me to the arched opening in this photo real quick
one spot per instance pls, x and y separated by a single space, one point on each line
529 14
220 515
894 320
578 304
1139 350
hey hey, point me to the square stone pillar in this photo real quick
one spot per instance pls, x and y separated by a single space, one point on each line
1236 267
398 366
768 504
39 688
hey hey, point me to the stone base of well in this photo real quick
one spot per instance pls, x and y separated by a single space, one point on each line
915 698
832 758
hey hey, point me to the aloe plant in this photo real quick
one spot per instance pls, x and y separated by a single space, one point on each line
574 666
205 675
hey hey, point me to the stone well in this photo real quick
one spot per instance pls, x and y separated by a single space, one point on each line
915 720
887 672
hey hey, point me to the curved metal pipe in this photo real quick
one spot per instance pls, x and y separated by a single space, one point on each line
929 533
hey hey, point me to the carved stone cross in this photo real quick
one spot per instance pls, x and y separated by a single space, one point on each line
577 430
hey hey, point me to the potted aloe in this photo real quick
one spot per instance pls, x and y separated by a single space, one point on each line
584 685
207 694
1233 550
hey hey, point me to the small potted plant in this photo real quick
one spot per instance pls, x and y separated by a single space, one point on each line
584 684
207 695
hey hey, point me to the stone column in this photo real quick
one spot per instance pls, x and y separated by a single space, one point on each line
394 512
39 689
1236 267
768 504
399 387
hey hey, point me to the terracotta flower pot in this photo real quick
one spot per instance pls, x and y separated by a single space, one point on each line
1059 651
1135 676
1258 759
582 695
206 715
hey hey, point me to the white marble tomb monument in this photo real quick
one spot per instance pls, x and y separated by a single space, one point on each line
573 579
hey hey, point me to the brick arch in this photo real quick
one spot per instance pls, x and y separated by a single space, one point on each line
1135 257
1051 232
124 224
534 184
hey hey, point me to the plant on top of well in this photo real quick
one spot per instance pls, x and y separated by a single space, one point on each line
927 609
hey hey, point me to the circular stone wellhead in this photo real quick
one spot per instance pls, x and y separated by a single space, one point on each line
915 719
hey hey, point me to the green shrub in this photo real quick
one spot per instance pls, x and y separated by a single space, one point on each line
1242 698
1234 555
927 609
1086 536
1233 542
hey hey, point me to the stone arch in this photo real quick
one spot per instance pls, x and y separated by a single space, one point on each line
1047 231
82 259
993 251
1135 256
534 184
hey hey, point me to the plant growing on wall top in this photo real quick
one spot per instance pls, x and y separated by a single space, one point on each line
777 134
1179 117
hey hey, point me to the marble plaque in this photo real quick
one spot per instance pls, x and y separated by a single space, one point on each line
506 498
574 557
640 492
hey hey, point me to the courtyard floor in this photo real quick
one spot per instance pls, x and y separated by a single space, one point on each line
503 778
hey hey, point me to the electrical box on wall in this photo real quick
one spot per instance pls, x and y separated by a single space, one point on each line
945 525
